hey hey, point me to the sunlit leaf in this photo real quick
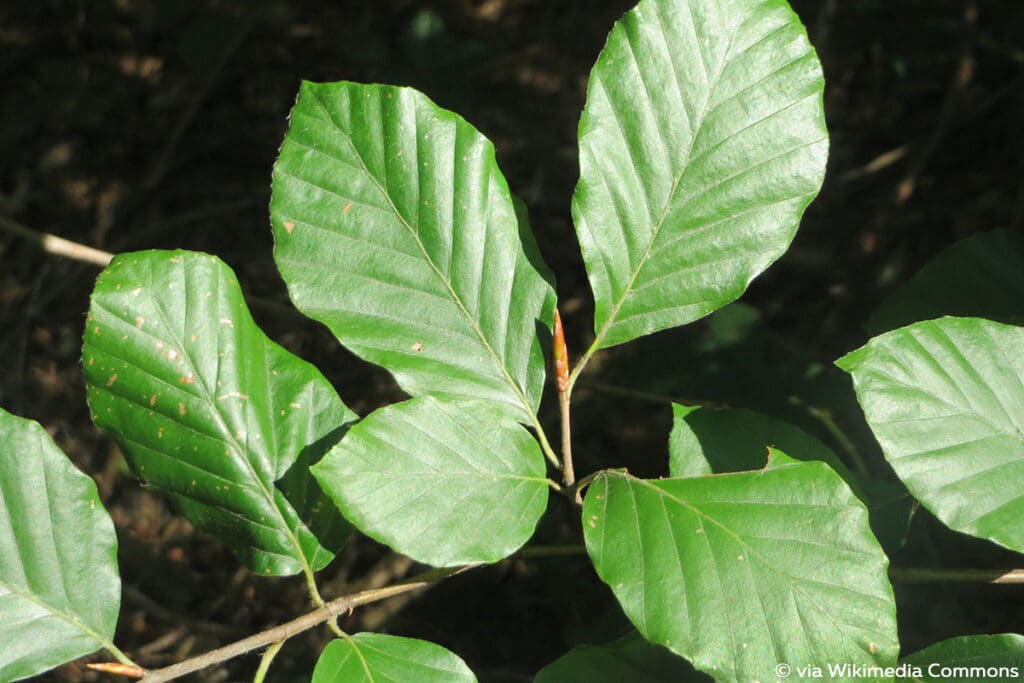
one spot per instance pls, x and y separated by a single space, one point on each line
379 658
394 227
444 483
211 411
945 398
997 658
740 572
60 592
702 142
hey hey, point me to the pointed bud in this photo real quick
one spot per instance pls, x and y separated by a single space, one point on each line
561 356
118 669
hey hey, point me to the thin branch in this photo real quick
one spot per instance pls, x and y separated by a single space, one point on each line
587 480
285 631
879 163
993 576
57 245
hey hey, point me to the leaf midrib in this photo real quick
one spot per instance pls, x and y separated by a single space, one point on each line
66 616
267 495
419 243
610 321
794 586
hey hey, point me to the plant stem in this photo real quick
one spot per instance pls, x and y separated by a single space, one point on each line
285 631
568 473
57 245
545 445
585 482
314 592
917 575
824 416
266 660
580 364
119 655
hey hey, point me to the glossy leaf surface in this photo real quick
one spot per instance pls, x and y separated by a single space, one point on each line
981 276
631 658
379 658
444 483
983 658
60 592
394 227
702 142
946 401
739 572
211 411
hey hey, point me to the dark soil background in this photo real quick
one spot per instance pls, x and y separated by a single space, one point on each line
136 124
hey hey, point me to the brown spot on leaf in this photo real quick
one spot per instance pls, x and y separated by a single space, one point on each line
289 226
348 207
110 382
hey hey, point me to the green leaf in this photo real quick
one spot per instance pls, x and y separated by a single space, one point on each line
394 227
60 592
631 658
444 483
980 276
702 142
972 658
946 401
719 440
741 572
377 658
209 410
706 440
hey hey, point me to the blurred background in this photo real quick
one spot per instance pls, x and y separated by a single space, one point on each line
137 124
